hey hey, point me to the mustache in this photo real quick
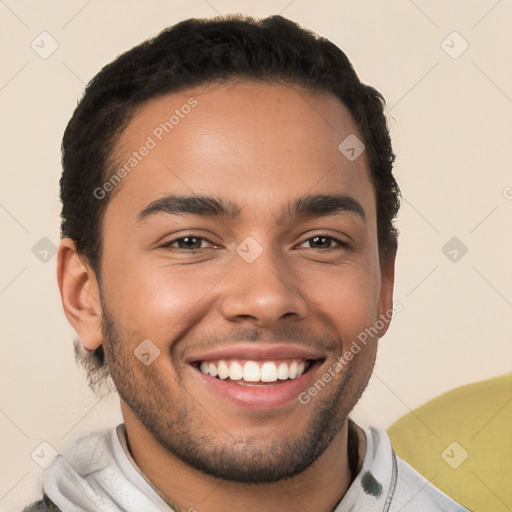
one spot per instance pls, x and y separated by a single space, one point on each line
323 342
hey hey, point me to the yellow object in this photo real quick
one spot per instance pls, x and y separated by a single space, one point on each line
462 442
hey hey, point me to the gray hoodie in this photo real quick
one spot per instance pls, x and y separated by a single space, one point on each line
98 473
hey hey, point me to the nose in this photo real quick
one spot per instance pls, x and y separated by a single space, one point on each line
264 292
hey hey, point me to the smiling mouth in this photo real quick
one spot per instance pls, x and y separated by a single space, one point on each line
255 372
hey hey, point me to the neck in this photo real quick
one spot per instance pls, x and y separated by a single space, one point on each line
319 487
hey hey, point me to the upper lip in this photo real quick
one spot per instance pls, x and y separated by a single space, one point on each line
258 352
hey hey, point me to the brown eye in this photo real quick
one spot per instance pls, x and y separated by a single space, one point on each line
190 242
187 242
321 242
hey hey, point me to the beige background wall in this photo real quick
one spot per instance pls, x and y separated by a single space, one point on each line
451 125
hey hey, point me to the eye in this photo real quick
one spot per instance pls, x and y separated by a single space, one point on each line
322 242
188 243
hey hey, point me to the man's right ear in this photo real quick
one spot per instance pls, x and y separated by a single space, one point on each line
80 294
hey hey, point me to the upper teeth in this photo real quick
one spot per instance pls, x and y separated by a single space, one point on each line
252 371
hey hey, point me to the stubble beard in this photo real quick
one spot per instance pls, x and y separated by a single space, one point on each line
177 424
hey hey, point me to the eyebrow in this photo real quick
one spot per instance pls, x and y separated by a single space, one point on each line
306 206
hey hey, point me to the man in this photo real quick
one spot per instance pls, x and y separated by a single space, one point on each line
228 261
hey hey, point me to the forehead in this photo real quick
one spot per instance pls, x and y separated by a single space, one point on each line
248 141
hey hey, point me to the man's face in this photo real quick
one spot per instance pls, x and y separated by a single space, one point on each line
276 278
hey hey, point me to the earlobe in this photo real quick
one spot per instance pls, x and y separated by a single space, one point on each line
80 295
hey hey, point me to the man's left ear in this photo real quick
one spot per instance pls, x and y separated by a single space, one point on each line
387 272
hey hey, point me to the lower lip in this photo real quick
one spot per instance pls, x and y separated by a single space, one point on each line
267 396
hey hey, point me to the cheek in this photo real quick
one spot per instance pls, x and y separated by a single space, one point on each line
155 300
344 298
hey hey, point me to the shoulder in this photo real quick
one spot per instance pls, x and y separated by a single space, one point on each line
386 482
414 492
43 505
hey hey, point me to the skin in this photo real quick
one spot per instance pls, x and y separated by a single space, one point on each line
261 146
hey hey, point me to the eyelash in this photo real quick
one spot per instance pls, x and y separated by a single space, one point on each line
168 245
